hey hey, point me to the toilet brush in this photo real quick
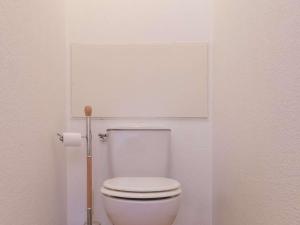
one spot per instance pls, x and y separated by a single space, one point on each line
89 164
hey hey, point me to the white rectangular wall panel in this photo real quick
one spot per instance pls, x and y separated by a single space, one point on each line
145 80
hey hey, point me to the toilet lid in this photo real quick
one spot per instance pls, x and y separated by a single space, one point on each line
140 195
141 184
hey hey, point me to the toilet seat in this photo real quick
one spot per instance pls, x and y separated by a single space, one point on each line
141 187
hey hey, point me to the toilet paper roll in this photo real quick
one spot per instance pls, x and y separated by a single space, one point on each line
72 139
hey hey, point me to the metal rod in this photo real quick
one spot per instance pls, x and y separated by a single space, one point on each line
89 218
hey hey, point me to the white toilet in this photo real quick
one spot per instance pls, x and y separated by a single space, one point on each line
140 192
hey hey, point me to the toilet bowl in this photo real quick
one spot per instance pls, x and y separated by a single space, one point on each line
141 200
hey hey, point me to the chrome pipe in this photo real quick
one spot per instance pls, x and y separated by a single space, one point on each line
88 136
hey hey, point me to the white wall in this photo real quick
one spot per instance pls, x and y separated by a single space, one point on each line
138 21
32 68
144 21
256 138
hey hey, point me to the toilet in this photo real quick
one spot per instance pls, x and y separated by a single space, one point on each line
140 191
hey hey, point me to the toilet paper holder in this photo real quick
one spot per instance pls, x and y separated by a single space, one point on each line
61 137
89 190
